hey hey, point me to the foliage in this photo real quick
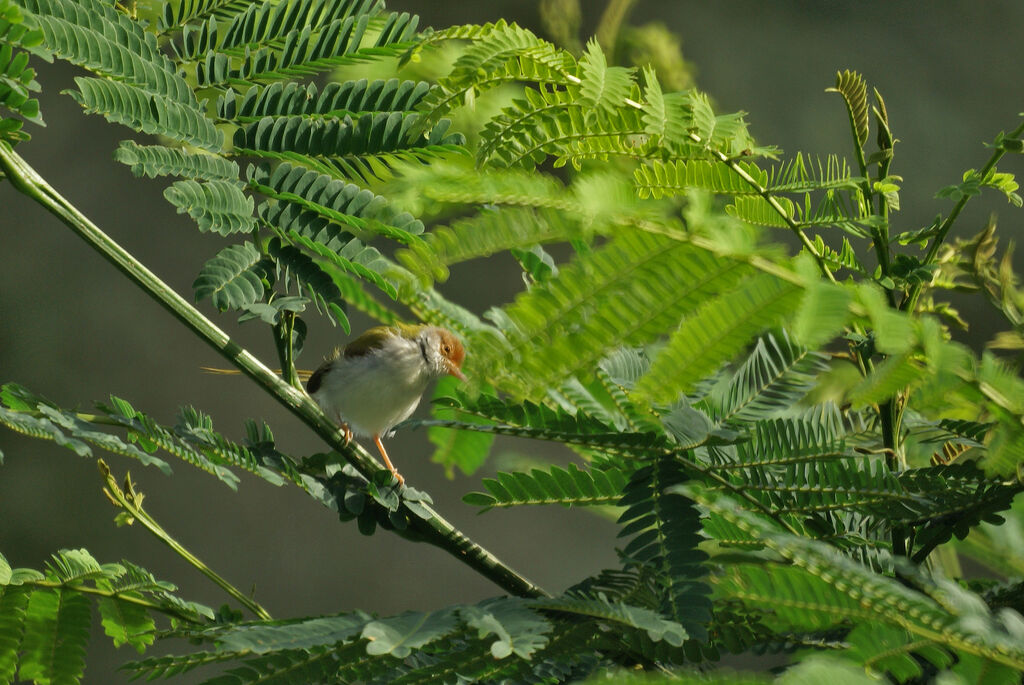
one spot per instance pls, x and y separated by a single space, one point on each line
790 442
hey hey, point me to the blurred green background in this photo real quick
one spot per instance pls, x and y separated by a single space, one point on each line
74 330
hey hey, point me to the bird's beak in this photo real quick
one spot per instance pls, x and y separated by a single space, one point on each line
456 371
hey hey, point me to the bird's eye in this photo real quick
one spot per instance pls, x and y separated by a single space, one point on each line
447 349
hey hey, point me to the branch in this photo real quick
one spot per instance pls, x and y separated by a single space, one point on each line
434 528
911 302
131 502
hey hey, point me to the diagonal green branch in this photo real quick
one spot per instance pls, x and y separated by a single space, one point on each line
129 501
429 524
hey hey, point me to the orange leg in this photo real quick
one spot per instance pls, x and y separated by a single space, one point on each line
387 462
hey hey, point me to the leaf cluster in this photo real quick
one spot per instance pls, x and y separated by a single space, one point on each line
788 442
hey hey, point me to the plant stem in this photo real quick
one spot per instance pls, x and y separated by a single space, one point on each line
774 203
112 594
434 528
933 248
128 500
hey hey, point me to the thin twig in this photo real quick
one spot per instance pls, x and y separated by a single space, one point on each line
131 502
910 303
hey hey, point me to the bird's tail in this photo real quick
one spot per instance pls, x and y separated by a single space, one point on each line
303 374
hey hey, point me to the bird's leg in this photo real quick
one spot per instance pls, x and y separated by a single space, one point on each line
344 427
387 462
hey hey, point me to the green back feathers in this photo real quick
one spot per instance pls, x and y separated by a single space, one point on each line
372 338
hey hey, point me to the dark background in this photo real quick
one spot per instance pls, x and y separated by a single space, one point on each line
74 330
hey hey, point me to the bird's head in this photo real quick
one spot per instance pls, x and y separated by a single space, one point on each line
442 350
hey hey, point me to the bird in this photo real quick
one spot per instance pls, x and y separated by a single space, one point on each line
376 381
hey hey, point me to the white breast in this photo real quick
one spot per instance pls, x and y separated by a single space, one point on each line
373 393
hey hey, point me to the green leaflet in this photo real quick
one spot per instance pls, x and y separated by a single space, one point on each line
666 115
758 211
361 148
715 333
659 179
887 379
13 603
300 52
157 160
192 440
313 632
17 79
334 100
63 427
567 487
217 206
603 87
56 632
232 279
95 36
146 112
854 90
776 375
488 232
617 614
267 23
45 617
891 650
543 422
126 623
177 14
464 449
818 587
500 53
295 267
399 635
666 531
518 630
804 173
822 314
630 290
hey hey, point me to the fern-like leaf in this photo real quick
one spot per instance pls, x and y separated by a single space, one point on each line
539 421
56 632
488 232
63 427
295 267
659 179
94 35
126 623
603 87
157 160
232 279
568 487
617 615
665 529
399 635
17 79
851 86
630 290
352 98
13 604
776 375
218 206
309 200
177 13
242 57
818 587
146 112
716 332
